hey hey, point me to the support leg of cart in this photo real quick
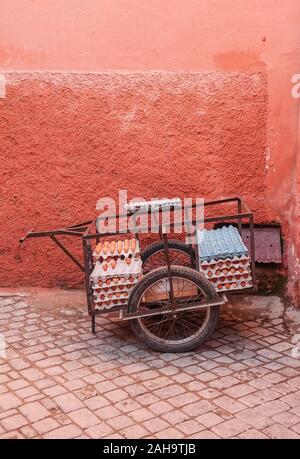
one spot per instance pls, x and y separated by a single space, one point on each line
93 320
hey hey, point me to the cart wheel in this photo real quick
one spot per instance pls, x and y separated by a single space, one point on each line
154 255
184 330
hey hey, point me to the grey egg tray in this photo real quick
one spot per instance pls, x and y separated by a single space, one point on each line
224 242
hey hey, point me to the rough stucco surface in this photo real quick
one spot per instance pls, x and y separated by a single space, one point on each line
69 139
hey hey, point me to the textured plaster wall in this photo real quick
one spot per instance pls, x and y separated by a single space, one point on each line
68 139
220 40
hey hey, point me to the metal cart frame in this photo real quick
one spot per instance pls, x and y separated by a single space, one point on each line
87 231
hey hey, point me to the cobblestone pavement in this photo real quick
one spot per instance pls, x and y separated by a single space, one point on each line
59 381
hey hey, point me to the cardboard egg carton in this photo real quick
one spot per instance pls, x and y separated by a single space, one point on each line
228 271
229 279
121 269
234 285
111 250
109 304
107 290
112 283
221 267
102 297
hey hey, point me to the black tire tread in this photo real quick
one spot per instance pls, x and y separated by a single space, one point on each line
158 246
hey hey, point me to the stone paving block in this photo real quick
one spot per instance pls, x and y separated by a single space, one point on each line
197 408
229 404
99 431
170 433
68 402
65 432
296 428
209 420
295 382
107 412
34 411
94 403
286 419
255 418
160 407
253 434
120 422
45 425
292 399
135 431
239 390
231 428
277 431
14 422
84 418
183 399
175 417
273 407
158 425
8 401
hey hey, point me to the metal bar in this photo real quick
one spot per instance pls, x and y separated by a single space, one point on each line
93 323
252 250
206 304
88 289
81 224
174 225
167 253
49 233
87 231
67 252
240 220
22 239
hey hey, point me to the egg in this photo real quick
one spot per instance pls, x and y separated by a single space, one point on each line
112 246
113 264
126 245
119 247
98 248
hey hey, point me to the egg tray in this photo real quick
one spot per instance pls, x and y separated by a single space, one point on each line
111 290
109 304
243 260
228 271
113 265
116 249
113 282
118 296
122 269
219 243
237 285
231 278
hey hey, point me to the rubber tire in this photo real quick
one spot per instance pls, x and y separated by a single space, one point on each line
154 276
159 246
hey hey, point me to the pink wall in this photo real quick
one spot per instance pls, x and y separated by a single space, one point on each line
258 39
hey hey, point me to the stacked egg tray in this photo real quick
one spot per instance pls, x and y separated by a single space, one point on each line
118 267
229 273
224 259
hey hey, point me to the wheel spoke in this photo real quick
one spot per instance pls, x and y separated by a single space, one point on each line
178 326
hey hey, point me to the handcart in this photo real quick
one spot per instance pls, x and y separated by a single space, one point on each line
173 302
